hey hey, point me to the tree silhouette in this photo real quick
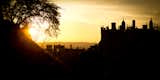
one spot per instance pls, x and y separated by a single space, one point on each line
3 5
18 11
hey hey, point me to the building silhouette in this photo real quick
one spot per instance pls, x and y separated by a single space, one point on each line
60 50
144 27
133 24
49 48
129 50
122 53
151 24
123 26
113 26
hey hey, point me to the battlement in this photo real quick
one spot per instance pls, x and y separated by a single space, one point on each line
123 26
131 35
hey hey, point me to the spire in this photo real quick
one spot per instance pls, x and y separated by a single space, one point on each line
151 24
123 25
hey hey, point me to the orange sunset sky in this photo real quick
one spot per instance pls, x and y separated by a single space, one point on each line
81 20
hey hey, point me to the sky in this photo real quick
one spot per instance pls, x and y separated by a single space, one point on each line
81 20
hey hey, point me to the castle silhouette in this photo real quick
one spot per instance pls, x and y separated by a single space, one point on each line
123 26
124 53
129 52
128 36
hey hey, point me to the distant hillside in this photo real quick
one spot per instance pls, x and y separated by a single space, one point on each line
68 44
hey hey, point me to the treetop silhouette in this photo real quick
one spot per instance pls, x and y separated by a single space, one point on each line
19 11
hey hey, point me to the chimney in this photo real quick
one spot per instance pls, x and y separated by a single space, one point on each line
133 24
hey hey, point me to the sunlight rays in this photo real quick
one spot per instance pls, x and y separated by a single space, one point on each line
37 27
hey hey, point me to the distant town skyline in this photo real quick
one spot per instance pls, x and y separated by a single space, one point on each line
81 20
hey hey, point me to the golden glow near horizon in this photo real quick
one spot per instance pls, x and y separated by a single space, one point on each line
81 20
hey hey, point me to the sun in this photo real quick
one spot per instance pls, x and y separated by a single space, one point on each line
34 34
33 31
37 29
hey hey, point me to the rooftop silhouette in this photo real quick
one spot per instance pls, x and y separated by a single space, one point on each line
124 53
123 26
128 51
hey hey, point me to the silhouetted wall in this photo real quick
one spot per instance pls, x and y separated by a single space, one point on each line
130 51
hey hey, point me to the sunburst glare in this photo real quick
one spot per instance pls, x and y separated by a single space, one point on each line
37 29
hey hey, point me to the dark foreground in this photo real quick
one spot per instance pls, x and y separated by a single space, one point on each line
134 55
